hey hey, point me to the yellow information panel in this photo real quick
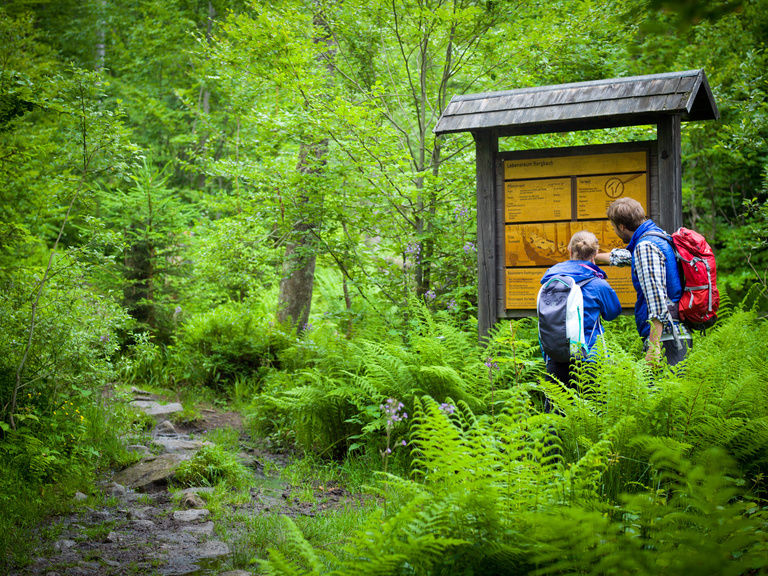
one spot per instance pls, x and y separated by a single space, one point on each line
526 200
547 200
522 286
595 193
569 166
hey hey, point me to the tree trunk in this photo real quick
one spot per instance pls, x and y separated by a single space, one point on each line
295 299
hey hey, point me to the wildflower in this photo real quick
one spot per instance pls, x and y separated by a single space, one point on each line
404 443
469 247
490 364
392 408
447 408
104 338
451 304
413 249
430 295
460 212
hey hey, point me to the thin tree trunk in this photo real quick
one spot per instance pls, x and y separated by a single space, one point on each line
296 286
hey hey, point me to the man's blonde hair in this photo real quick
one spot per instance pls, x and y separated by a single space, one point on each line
583 245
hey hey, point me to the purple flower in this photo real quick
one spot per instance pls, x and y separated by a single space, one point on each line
447 408
392 408
469 247
490 364
404 443
460 212
452 304
104 338
430 295
413 248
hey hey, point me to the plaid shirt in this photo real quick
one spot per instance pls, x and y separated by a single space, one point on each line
652 274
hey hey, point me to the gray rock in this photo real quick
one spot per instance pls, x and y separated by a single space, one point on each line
190 515
145 524
115 489
139 392
235 573
113 537
141 513
213 549
140 448
165 427
63 545
205 529
192 501
156 409
80 497
148 472
177 445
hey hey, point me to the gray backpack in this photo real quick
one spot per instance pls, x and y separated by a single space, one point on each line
560 308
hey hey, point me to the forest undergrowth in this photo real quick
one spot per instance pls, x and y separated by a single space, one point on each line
638 470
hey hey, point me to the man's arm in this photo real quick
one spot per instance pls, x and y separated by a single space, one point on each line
652 274
603 258
616 257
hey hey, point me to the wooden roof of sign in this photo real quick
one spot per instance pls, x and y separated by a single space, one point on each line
582 105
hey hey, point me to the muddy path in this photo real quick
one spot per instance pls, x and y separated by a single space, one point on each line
135 525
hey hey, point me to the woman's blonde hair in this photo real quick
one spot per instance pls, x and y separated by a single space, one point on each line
583 245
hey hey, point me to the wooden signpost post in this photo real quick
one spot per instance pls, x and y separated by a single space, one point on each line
529 203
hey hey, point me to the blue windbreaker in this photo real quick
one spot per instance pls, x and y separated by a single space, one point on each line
599 298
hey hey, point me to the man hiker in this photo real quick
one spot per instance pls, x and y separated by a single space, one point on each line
656 279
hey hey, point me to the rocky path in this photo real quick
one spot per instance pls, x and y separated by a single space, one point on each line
137 527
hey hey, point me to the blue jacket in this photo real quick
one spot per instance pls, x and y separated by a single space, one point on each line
674 287
599 298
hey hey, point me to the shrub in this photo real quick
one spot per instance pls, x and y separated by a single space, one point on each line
210 466
233 340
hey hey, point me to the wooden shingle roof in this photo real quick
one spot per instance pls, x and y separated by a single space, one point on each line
582 105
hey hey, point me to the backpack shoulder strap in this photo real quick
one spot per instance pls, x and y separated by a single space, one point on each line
663 235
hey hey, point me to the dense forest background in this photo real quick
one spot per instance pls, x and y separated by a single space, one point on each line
230 196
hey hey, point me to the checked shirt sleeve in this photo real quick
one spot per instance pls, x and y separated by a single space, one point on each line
652 273
621 257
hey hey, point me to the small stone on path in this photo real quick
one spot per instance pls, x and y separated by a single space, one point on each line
213 549
165 427
63 545
192 501
190 515
156 409
205 529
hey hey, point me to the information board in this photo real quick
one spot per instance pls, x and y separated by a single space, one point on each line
520 283
548 199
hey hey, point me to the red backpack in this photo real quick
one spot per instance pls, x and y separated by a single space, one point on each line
700 300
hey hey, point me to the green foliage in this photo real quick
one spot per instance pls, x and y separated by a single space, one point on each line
233 340
213 464
636 471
